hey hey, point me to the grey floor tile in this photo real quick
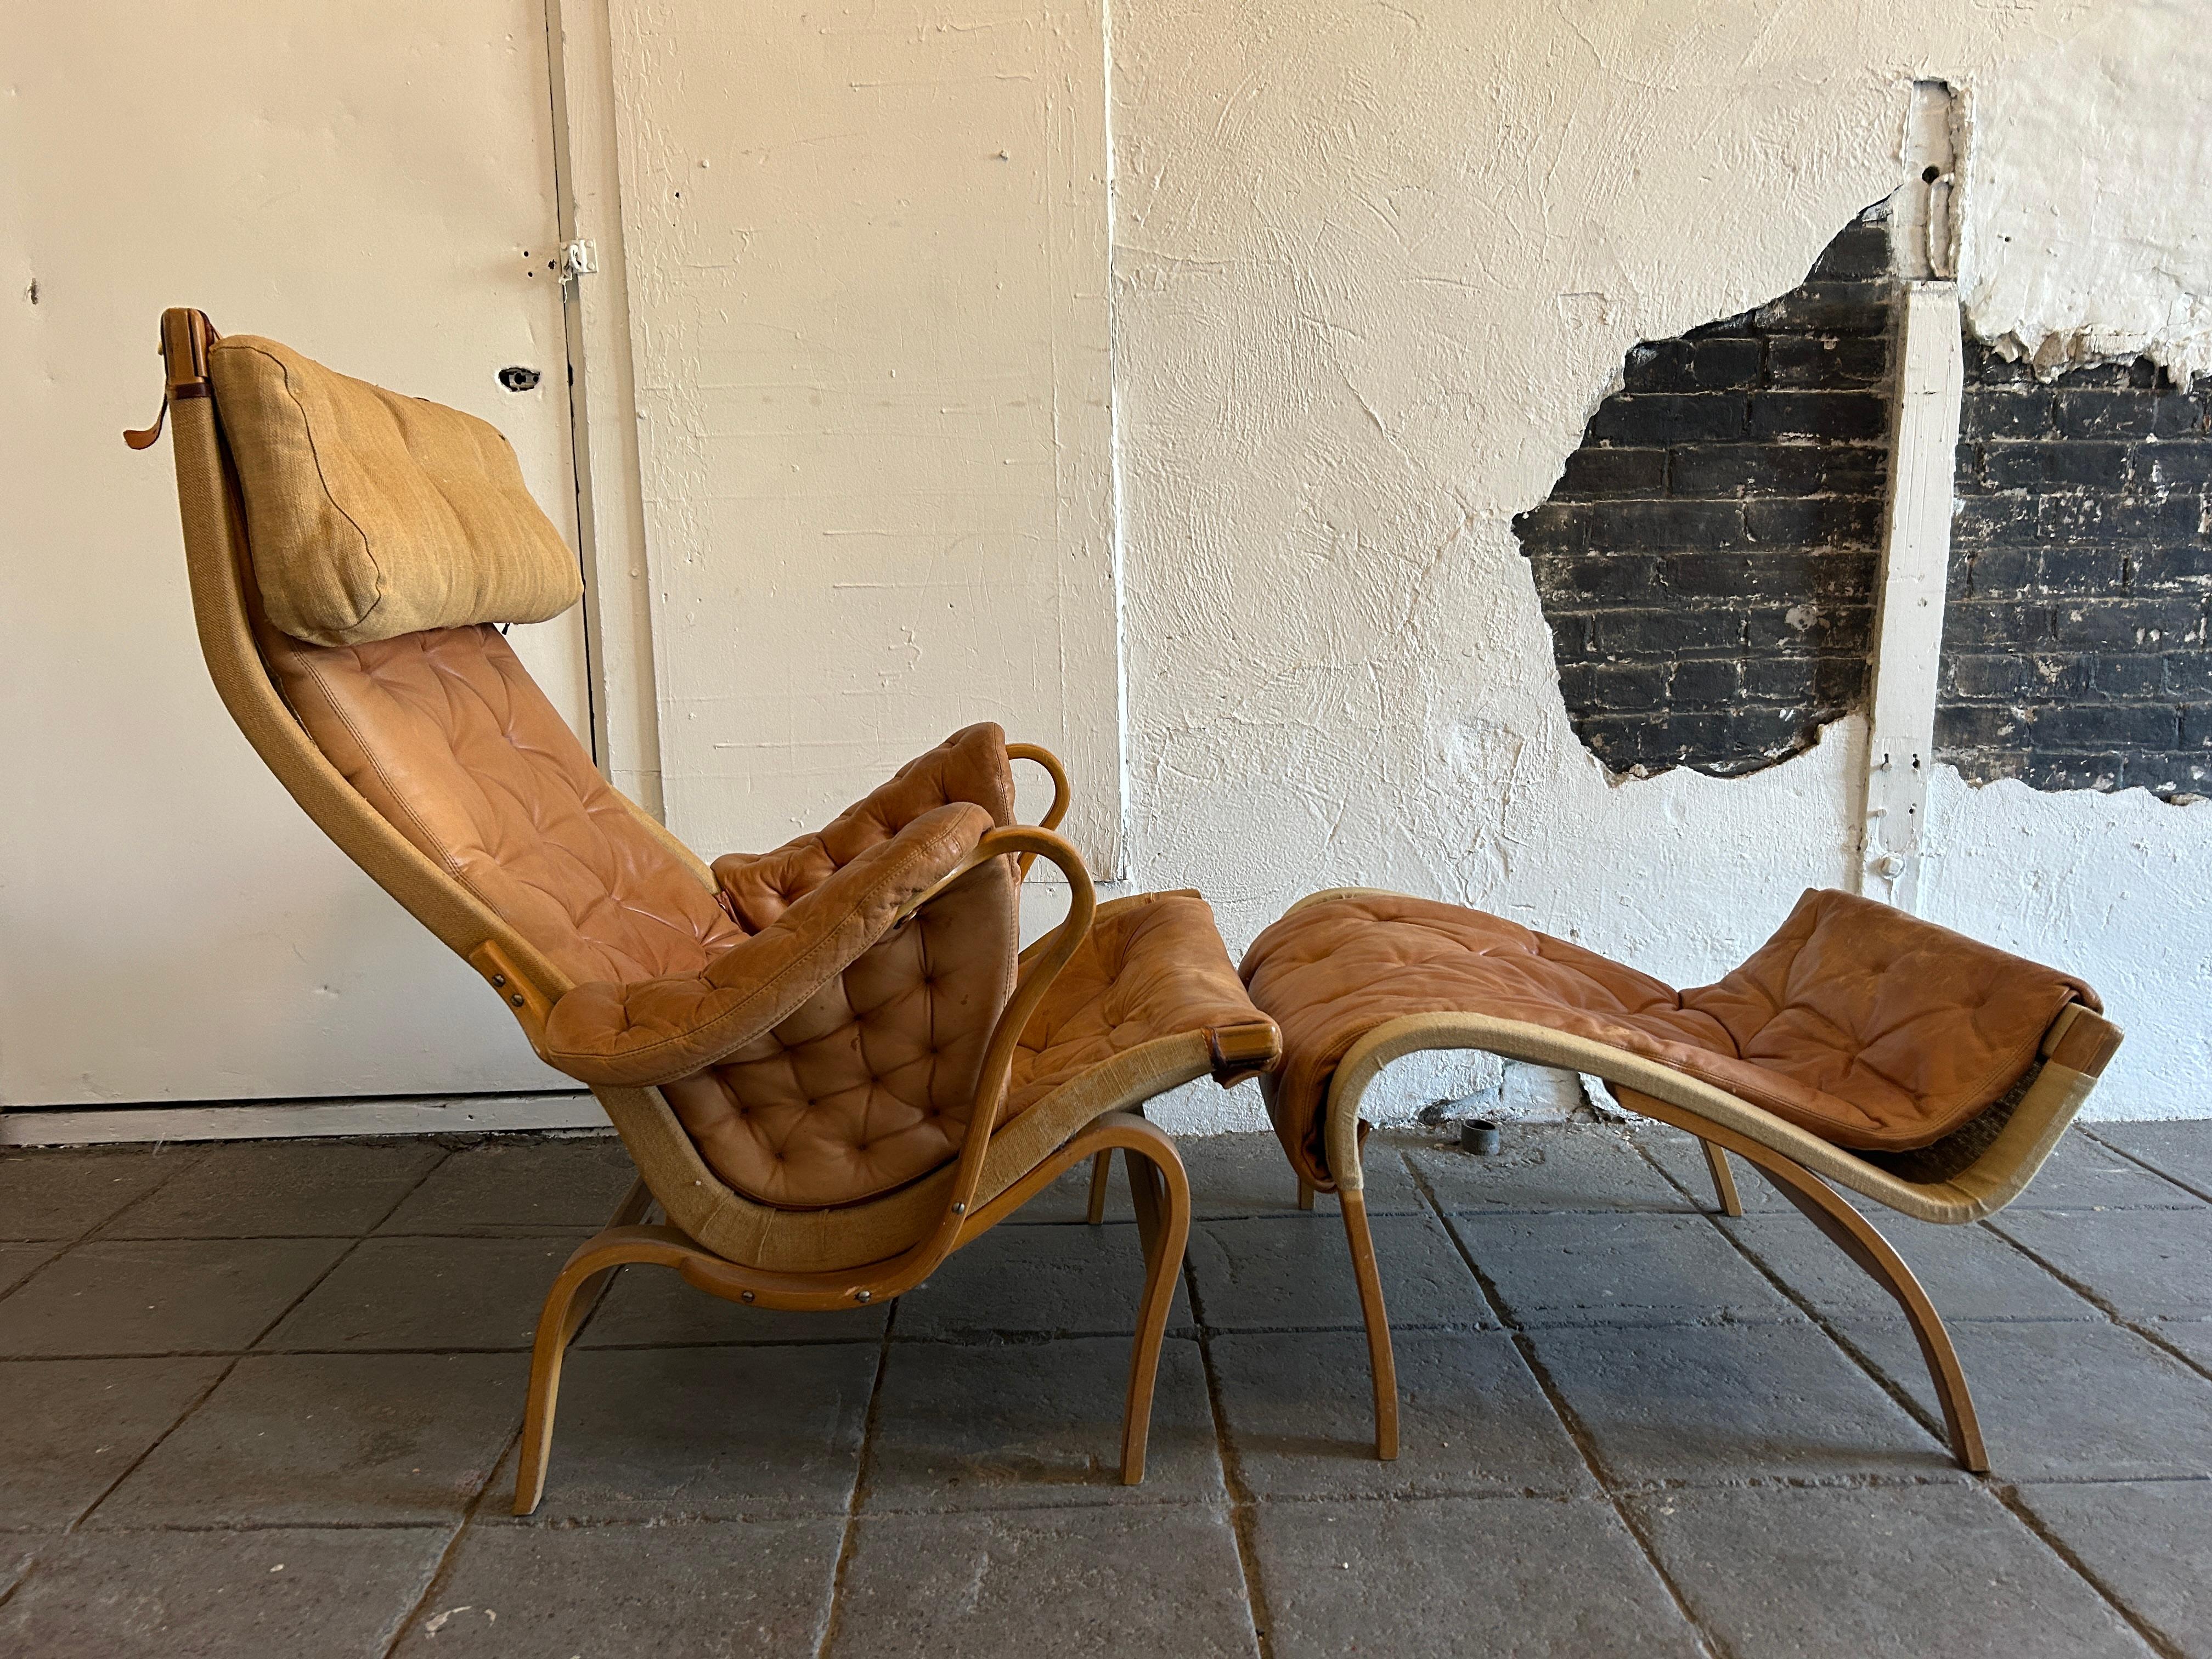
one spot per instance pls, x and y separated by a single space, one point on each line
1522 1576
2081 1175
2149 1544
1728 1403
278 1595
70 1427
1245 1174
120 1297
1285 1272
694 1590
264 1188
1060 1281
64 1194
1798 1571
429 1293
1301 1415
713 1434
567 1186
2146 1264
653 1307
1969 1272
1164 1582
1541 1167
2064 1402
2180 1148
1030 1425
19 1261
1679 1155
1617 1269
316 1440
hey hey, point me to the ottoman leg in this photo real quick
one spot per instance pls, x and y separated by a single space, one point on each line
1384 1368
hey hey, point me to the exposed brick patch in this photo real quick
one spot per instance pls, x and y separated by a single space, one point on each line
1708 558
2074 652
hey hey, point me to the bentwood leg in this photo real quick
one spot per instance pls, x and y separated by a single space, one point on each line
1162 1194
1305 1194
1380 1361
1723 1179
1102 1175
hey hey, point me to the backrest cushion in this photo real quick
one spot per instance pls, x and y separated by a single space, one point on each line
448 738
373 514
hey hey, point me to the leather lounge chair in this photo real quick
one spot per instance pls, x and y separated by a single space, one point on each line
830 1063
1858 1048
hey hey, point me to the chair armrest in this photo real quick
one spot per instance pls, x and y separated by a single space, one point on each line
659 1030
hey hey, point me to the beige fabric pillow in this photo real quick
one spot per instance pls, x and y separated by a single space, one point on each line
373 514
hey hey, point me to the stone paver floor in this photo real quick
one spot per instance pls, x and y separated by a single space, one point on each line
263 1399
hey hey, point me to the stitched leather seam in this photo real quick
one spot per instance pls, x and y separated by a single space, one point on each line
313 670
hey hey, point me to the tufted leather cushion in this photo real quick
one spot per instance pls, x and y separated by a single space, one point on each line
1153 965
373 514
1866 1026
448 738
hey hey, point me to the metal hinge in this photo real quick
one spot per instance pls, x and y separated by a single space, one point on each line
579 259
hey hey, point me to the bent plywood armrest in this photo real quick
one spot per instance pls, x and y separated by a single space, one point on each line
1859 1047
832 1062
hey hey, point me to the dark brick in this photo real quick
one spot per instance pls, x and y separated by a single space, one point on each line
2067 771
1578 577
1988 520
2009 414
2128 677
1839 417
2073 570
2173 461
2177 415
1713 684
1829 308
2106 726
1998 624
1727 361
1661 524
1611 472
1860 249
1573 635
2196 725
1669 418
2189 674
2133 625
1644 633
2083 515
1978 726
2088 464
2185 567
1782 470
1815 520
1985 368
1999 572
1659 365
1813 360
1731 576
1627 686
2095 414
2011 463
1810 628
2013 677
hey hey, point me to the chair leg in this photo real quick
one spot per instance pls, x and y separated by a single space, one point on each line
1305 1194
1723 1179
1381 1364
1858 1239
1102 1174
1162 1194
575 1292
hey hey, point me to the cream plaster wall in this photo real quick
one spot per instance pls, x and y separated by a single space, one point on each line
867 247
1374 266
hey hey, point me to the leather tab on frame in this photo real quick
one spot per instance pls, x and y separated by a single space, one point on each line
185 335
1237 1052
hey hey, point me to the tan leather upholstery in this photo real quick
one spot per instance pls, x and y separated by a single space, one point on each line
1866 1026
373 514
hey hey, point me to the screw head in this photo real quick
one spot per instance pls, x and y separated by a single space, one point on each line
960 1209
864 1296
499 979
746 1297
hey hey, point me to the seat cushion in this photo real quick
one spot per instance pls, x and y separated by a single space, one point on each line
1868 1027
373 515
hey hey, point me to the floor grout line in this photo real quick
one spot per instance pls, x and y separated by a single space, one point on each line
2142 1163
1243 1507
2089 1294
863 1471
1571 1425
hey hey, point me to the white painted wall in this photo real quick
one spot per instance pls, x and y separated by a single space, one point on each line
867 248
361 183
1373 268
